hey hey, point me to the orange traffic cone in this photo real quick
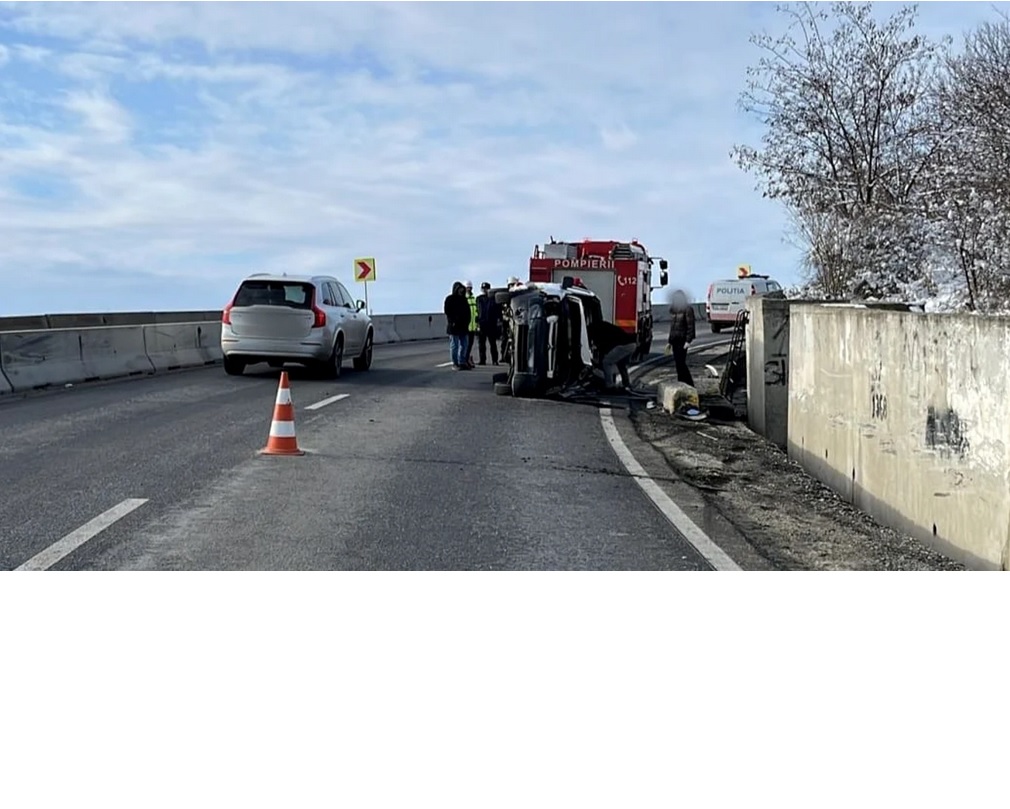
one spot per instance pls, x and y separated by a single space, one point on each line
282 439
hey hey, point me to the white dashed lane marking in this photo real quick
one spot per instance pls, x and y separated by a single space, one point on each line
324 402
444 365
75 539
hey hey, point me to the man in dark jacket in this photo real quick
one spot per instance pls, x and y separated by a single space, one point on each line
682 334
488 317
615 347
457 316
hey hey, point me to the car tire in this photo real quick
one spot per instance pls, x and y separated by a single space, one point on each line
364 362
501 378
716 327
525 386
336 363
502 389
233 366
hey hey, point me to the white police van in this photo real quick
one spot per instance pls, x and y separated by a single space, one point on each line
726 299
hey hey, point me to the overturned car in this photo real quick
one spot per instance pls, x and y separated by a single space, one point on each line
546 343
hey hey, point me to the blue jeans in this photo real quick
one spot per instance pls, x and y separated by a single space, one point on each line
457 348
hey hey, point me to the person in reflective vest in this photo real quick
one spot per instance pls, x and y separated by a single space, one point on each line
472 334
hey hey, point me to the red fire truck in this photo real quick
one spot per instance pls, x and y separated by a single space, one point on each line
619 273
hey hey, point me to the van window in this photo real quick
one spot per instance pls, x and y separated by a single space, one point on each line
275 293
773 287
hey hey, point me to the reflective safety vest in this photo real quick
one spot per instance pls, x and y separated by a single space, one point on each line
473 312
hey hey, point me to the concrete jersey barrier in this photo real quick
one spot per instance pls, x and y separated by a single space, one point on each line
383 332
170 346
38 351
38 359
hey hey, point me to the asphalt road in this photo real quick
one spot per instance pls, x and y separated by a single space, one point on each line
419 467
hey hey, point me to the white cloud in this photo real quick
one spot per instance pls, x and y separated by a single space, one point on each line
106 119
5 55
174 147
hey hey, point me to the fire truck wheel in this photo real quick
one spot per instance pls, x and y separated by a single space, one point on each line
502 389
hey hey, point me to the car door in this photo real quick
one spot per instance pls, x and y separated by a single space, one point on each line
352 326
359 319
336 313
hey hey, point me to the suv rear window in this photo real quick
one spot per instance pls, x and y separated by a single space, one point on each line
275 293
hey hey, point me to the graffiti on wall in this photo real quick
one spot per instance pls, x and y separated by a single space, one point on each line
878 399
945 432
775 371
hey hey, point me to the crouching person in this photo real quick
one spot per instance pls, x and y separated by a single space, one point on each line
615 347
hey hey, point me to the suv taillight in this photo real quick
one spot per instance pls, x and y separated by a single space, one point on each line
226 315
319 316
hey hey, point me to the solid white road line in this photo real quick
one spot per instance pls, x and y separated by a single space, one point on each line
444 364
324 402
715 555
72 541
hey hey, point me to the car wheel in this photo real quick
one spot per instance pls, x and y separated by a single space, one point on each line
233 367
364 362
502 389
336 363
500 378
716 327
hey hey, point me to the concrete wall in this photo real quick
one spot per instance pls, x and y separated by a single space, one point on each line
908 416
768 368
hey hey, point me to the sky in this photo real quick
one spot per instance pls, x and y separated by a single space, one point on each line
153 154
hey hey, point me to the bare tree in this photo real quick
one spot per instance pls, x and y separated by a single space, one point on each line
849 136
969 186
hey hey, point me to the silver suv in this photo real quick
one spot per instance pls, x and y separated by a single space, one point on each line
311 320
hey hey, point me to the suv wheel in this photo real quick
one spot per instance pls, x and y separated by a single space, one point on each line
233 366
336 363
364 362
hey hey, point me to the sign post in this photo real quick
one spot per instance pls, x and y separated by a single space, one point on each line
364 271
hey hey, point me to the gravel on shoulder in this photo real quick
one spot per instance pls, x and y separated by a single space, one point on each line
789 518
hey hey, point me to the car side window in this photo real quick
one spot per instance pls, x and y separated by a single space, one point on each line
330 294
348 300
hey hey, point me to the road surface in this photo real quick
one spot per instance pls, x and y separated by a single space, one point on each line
416 467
